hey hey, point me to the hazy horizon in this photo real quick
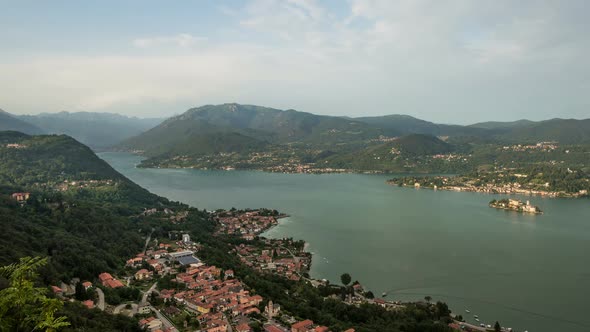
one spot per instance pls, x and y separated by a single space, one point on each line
458 62
179 113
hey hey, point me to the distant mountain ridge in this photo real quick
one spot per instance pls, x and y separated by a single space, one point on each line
503 125
10 122
97 130
565 131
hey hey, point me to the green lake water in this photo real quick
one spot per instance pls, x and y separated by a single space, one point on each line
529 272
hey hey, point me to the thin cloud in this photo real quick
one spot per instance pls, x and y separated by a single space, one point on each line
183 40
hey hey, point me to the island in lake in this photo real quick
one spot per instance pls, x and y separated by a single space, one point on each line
515 205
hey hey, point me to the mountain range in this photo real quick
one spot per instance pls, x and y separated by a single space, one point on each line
236 127
11 122
97 130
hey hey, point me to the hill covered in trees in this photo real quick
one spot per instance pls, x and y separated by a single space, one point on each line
241 128
234 136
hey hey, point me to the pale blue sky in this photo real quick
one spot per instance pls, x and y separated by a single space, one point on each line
456 61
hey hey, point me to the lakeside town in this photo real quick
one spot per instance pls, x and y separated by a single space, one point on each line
168 287
505 181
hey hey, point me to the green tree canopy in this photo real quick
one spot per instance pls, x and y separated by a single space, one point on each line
24 307
345 278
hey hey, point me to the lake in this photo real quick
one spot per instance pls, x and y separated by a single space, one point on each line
530 272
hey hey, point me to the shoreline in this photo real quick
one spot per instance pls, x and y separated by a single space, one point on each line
311 171
529 193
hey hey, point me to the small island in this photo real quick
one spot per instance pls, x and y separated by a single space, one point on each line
515 205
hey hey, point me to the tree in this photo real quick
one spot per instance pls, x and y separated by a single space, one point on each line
497 327
81 293
428 298
23 306
345 278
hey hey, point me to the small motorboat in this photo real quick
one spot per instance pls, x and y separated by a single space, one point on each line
467 311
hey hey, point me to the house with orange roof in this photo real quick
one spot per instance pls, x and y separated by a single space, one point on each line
303 326
142 274
243 328
114 283
273 328
89 304
104 277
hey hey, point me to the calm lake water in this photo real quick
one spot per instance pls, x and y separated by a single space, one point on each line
529 272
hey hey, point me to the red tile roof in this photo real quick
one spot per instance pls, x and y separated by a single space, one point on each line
105 276
302 324
89 304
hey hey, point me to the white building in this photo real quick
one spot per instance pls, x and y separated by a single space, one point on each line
186 238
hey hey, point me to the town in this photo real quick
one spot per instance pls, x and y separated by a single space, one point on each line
245 223
284 257
509 181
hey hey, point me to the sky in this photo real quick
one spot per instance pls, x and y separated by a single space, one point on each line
454 61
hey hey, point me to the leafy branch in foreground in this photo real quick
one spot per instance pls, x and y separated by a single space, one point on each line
24 306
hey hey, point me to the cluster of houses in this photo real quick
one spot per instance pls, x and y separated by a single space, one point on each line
246 224
541 146
275 259
208 292
68 290
83 184
107 280
156 259
16 146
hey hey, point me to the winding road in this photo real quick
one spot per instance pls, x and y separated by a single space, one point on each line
100 304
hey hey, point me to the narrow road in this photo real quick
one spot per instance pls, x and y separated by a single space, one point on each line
147 241
165 322
473 327
100 304
144 298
